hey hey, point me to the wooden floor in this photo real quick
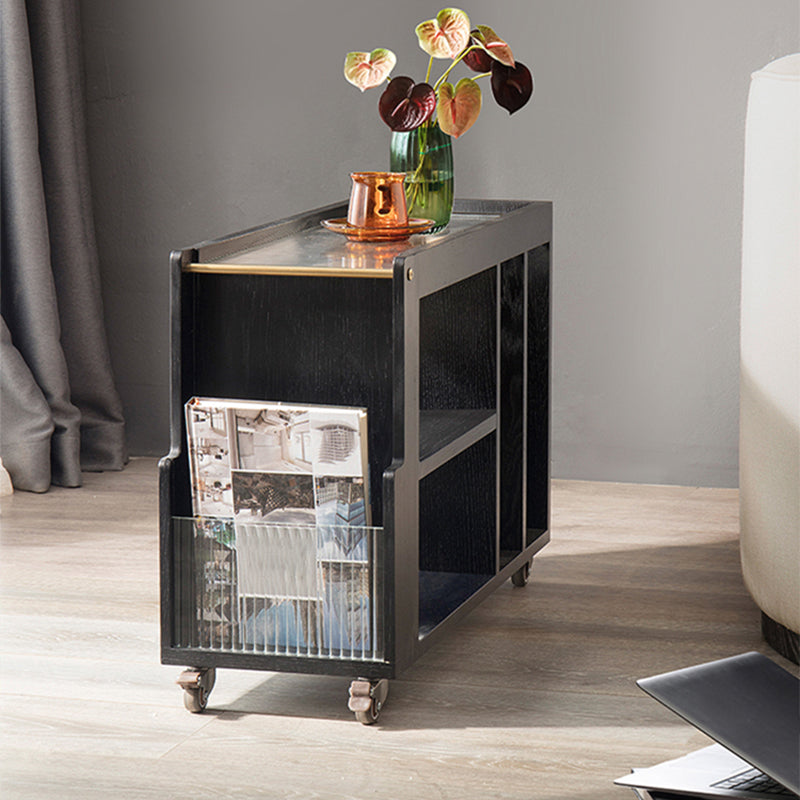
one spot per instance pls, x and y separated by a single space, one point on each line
532 696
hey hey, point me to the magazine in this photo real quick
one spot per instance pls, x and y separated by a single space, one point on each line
275 462
285 489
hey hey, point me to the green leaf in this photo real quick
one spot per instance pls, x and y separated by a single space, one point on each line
446 36
493 45
458 108
366 70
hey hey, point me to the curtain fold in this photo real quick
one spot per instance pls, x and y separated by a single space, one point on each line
53 346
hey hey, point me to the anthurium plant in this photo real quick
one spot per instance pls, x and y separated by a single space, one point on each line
406 104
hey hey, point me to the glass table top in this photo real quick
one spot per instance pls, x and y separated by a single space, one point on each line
317 251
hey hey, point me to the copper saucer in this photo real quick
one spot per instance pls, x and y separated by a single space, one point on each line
392 234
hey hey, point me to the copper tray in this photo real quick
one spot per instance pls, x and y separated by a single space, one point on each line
392 234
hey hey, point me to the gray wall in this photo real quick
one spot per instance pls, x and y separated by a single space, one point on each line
207 117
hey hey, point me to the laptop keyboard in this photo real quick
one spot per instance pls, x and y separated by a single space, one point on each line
753 780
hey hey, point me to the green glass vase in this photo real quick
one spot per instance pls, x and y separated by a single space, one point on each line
426 156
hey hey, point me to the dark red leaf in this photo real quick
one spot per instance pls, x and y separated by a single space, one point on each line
512 87
405 105
478 60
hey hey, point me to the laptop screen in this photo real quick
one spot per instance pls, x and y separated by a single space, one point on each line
747 703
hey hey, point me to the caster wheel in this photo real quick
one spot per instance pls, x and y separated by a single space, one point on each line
520 577
197 685
195 700
367 699
370 716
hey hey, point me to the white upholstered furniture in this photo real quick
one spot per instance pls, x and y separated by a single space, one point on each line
769 455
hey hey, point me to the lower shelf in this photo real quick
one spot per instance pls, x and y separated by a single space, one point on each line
441 593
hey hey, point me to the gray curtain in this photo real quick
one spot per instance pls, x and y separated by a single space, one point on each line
59 410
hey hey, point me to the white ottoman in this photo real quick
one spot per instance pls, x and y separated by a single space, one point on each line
769 445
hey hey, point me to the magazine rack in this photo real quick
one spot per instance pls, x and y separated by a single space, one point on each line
445 340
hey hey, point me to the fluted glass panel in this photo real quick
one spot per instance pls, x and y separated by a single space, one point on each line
298 590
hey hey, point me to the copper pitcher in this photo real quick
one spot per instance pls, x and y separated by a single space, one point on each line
377 200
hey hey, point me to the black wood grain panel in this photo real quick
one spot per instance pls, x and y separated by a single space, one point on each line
511 401
457 345
457 502
538 480
296 340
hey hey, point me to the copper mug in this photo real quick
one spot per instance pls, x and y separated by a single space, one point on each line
377 200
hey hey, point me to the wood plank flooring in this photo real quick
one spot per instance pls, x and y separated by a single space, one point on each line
532 696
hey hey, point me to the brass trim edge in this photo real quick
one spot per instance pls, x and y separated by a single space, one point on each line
259 269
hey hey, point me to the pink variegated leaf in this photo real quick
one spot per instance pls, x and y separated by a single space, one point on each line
446 36
493 45
458 107
366 70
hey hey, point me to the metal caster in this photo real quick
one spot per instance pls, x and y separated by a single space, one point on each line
520 577
197 685
367 698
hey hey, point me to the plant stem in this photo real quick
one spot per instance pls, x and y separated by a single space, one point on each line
422 147
450 68
425 155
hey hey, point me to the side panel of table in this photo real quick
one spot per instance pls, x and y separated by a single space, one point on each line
475 344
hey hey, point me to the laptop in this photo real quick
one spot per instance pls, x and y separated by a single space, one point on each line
750 706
